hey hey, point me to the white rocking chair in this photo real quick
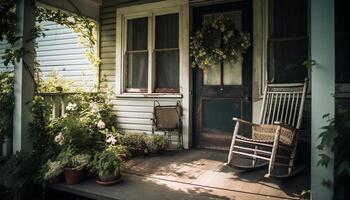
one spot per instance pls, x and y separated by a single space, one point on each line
274 139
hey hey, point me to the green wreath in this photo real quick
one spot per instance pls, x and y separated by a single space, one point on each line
217 41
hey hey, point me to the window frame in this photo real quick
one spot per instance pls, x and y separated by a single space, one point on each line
271 39
150 12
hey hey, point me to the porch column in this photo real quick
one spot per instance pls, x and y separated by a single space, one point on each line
24 83
323 87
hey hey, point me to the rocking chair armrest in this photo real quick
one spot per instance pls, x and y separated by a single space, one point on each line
244 121
284 125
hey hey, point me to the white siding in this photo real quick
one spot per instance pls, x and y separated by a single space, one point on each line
2 52
60 51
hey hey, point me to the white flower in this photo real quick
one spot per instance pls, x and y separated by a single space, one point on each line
101 124
71 19
71 106
111 139
94 107
59 138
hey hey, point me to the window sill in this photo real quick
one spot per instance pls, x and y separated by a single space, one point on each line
146 95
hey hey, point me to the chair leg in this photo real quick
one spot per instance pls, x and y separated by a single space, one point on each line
292 157
273 153
254 158
230 154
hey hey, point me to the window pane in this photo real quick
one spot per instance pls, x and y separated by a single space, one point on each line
137 70
167 69
137 34
289 18
212 75
342 41
232 73
167 31
286 59
342 59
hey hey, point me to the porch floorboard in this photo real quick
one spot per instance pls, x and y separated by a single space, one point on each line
189 174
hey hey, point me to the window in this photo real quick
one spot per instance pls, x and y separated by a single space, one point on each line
137 55
342 41
288 43
224 73
151 53
167 53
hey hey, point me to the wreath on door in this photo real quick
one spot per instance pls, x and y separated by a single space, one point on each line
218 41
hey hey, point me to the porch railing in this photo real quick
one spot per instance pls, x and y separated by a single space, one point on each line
59 103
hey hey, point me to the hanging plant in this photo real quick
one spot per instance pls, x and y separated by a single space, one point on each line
217 41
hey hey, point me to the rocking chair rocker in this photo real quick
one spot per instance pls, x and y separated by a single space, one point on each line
274 139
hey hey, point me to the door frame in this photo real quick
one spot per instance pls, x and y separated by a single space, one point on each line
247 17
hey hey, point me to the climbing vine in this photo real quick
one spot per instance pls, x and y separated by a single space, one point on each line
82 25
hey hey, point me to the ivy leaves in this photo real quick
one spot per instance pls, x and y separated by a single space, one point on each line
336 137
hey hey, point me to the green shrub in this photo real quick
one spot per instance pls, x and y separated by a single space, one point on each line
6 104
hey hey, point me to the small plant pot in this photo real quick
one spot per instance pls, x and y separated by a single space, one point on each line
72 176
55 179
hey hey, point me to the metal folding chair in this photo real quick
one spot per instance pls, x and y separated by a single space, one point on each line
168 118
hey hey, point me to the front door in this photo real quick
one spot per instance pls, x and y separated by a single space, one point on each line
222 91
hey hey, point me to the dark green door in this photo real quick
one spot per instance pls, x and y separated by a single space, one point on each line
222 91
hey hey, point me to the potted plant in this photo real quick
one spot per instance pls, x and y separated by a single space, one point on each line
155 143
54 172
73 165
107 164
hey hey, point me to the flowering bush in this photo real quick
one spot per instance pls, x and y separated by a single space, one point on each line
87 115
218 40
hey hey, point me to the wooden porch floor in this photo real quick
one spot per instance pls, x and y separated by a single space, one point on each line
190 174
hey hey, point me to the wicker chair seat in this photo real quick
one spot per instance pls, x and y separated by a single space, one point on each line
266 133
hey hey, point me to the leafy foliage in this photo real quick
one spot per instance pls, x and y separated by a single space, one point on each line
6 104
336 137
54 84
108 161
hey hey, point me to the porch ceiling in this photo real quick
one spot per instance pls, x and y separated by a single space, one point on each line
89 8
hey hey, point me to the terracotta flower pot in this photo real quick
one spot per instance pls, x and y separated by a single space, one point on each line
55 179
72 176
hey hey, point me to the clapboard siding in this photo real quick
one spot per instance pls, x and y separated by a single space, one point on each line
60 51
2 53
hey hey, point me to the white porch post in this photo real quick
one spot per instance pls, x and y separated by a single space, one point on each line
24 85
323 86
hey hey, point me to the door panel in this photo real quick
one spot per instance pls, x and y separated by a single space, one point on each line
222 91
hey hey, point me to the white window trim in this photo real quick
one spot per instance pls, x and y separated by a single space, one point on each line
150 10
